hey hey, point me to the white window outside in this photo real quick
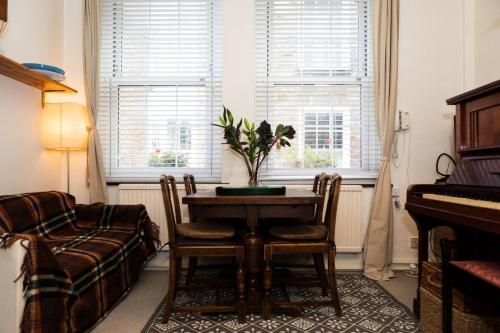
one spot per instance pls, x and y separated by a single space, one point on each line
160 88
314 71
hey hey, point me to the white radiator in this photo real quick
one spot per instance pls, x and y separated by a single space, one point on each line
349 230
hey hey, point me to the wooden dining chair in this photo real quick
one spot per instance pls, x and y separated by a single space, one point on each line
198 240
189 184
317 239
318 259
190 188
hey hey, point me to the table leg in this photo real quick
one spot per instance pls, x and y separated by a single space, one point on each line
253 258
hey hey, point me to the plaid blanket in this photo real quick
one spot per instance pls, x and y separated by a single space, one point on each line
80 260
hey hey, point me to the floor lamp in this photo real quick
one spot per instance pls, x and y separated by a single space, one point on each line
65 129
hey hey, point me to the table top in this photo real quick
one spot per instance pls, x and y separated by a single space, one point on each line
292 197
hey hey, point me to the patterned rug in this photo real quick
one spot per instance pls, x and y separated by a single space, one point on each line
366 306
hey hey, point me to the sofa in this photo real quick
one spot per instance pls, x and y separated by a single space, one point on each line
71 262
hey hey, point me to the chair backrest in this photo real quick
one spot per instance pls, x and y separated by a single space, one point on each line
189 184
334 181
318 185
171 203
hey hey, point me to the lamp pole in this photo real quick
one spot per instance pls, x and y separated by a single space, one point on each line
67 170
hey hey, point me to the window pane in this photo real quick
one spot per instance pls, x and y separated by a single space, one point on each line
314 72
160 87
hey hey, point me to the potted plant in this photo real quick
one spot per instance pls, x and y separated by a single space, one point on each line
257 144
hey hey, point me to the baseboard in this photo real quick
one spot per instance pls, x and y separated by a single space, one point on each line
344 261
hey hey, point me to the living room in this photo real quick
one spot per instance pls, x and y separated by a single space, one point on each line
118 57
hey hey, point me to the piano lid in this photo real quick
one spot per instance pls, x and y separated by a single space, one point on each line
474 93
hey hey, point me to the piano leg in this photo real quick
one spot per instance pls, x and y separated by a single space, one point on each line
423 255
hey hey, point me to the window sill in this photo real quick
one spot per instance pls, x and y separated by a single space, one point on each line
365 181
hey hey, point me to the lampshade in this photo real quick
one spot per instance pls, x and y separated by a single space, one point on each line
65 126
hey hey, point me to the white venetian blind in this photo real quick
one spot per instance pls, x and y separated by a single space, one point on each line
160 88
314 71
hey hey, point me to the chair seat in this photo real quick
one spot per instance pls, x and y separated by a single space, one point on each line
204 230
299 232
488 271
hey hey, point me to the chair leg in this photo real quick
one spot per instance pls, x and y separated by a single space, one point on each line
242 306
333 282
319 264
193 263
447 300
172 286
267 303
178 265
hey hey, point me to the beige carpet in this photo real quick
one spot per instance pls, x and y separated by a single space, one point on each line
403 288
133 312
136 308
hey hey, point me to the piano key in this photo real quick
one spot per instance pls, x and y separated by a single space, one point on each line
463 201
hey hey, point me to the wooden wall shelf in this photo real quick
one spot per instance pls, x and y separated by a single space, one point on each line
25 75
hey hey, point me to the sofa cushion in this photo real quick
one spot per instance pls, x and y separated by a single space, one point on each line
43 214
116 217
92 256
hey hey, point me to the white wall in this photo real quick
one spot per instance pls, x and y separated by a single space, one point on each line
34 35
73 64
438 59
487 41
446 48
430 70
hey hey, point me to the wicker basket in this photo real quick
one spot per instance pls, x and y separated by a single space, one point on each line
431 320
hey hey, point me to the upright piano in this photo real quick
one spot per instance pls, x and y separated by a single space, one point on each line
469 200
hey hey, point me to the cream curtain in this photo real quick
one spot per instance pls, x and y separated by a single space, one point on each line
378 241
96 178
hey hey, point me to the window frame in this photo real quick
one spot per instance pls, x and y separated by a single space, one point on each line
212 82
365 84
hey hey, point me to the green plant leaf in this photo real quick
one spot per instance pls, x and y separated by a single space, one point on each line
280 130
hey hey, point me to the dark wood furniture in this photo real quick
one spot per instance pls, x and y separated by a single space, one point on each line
476 277
190 188
469 200
318 259
198 240
253 208
316 239
3 10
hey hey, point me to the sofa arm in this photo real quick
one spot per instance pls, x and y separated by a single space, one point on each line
39 268
11 291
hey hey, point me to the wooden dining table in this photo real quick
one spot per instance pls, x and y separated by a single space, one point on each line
295 204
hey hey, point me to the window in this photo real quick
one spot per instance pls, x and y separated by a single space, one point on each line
314 71
160 88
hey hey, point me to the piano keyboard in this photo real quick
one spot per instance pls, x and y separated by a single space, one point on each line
463 201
